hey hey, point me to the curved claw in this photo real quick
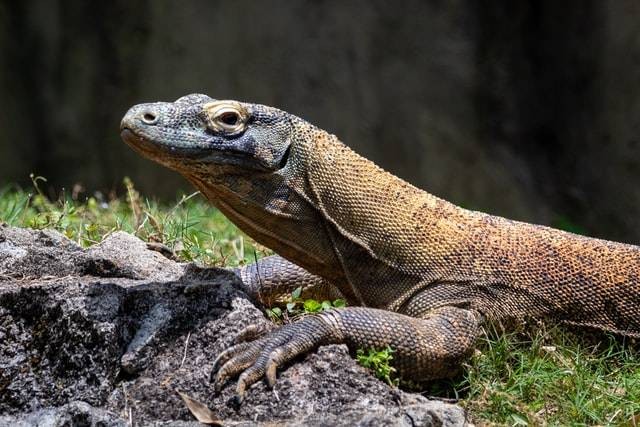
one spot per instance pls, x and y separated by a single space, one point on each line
261 358
272 367
225 356
235 365
247 378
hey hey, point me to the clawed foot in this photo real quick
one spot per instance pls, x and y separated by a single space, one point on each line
258 352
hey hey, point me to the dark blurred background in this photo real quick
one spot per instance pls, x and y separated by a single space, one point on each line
528 109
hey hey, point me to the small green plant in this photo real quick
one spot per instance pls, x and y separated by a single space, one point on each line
275 314
379 362
296 305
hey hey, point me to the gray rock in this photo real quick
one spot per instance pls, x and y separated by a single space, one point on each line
72 414
108 335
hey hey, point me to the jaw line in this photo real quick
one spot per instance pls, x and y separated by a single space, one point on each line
161 152
149 148
139 144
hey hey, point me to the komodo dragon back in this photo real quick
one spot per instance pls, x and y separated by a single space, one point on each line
419 273
389 231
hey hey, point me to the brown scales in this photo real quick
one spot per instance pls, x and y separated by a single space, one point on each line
425 273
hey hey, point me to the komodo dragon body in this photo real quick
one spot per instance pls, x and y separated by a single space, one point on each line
419 274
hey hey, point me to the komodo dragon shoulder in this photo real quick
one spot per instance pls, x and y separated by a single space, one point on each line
420 274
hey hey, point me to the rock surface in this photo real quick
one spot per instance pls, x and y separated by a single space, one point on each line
108 335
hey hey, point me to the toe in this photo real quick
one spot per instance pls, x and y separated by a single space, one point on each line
253 332
234 366
248 378
226 355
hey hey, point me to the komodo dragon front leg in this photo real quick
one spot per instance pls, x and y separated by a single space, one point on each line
426 348
271 281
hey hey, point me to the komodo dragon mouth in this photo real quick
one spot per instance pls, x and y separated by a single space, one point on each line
152 149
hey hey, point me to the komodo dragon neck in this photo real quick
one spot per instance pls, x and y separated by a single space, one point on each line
319 222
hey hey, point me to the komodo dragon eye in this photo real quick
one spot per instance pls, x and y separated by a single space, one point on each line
225 116
229 118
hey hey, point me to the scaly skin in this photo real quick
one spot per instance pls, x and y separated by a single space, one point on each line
420 274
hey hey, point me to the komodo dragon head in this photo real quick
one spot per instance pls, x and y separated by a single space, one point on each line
249 160
198 135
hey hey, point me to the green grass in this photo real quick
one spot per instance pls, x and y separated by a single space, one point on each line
544 376
190 226
553 376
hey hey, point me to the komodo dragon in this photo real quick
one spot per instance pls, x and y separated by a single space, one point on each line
419 274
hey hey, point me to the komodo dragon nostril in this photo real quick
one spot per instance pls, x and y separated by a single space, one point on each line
149 118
